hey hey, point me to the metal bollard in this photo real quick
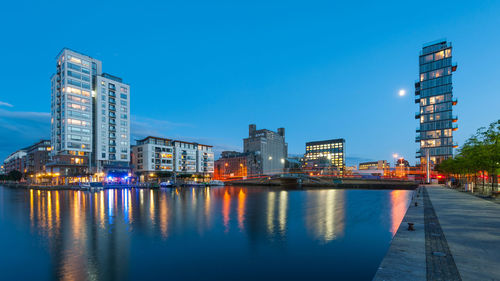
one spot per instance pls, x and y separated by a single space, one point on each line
410 226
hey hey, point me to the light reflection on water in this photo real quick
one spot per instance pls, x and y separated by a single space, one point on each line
189 233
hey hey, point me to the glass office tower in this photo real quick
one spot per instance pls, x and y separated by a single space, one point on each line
434 94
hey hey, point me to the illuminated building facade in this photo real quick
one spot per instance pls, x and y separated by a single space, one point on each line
87 108
112 124
15 161
327 155
267 151
375 165
231 165
152 155
434 94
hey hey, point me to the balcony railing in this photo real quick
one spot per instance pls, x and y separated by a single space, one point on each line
417 139
417 115
454 101
454 127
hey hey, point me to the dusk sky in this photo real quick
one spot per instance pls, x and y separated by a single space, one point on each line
202 71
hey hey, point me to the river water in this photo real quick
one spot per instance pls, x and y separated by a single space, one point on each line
220 233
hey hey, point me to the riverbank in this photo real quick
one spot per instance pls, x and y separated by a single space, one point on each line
322 182
456 237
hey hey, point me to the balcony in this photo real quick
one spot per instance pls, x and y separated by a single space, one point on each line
112 107
417 100
454 67
417 115
112 94
455 145
454 118
112 150
112 100
418 154
454 127
418 130
112 114
454 101
417 139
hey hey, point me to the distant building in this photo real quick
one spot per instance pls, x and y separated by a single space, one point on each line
374 165
325 156
15 161
37 156
154 156
231 165
267 151
434 94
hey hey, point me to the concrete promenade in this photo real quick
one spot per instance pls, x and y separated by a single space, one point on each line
456 237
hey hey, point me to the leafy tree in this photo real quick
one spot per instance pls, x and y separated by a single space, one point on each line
15 175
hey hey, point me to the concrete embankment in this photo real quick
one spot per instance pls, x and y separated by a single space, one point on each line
456 237
330 182
405 259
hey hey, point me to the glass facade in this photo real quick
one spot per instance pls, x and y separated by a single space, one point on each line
331 151
433 93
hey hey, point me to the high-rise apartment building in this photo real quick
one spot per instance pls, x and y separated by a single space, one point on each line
267 151
325 155
434 94
90 117
112 123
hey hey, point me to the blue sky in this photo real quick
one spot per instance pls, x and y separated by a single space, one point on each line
204 70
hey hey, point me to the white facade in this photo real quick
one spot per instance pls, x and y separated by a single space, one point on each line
71 103
153 154
90 112
112 111
158 154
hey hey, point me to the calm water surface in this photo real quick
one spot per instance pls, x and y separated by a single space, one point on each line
224 233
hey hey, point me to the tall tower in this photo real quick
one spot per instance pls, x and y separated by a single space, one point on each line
434 94
72 89
90 117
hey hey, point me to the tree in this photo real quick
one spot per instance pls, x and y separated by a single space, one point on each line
15 175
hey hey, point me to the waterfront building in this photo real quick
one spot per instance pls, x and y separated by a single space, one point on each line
112 128
374 165
231 165
434 94
84 117
15 161
267 151
326 156
36 159
154 157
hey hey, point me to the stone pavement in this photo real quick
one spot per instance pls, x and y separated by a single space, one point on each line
472 229
456 237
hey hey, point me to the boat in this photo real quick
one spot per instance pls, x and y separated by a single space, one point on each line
216 183
91 186
166 184
193 184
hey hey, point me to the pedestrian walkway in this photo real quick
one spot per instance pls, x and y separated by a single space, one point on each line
456 237
472 229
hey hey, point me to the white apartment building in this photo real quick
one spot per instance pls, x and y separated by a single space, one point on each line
153 154
112 130
71 103
90 114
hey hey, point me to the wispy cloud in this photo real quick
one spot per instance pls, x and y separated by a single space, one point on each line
21 128
2 103
144 126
